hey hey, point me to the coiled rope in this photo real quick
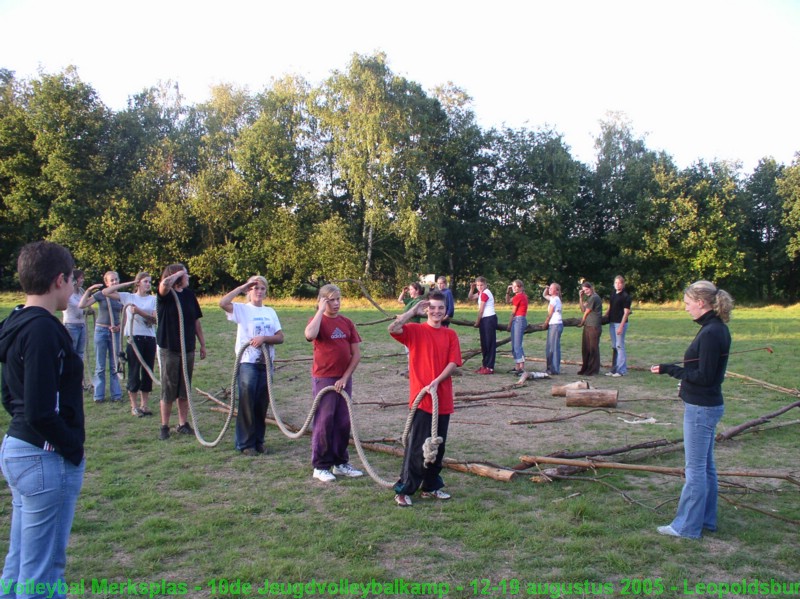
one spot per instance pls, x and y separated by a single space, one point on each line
430 447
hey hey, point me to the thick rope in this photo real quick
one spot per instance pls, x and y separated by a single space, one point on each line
430 447
188 383
132 342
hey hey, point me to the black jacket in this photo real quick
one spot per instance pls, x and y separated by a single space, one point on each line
705 362
41 382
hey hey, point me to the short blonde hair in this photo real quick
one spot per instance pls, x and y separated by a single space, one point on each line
328 290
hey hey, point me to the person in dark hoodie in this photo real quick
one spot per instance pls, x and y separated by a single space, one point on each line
42 453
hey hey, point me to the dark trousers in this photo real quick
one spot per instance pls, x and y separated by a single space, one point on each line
590 350
331 429
138 379
488 331
414 474
252 412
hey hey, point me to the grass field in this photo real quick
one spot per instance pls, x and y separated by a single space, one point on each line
212 521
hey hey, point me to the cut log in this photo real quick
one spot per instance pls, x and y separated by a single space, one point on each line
561 390
592 398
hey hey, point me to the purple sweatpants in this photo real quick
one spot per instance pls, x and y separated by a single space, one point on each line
331 431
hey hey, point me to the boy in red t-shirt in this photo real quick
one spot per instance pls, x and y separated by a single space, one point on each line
336 355
434 353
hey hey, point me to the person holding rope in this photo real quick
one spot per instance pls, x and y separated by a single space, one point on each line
42 454
701 376
168 335
257 325
434 353
140 323
336 355
106 338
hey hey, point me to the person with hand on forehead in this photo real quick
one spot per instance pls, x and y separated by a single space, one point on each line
257 325
486 323
336 355
106 338
434 353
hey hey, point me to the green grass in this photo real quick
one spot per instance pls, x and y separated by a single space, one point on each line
175 510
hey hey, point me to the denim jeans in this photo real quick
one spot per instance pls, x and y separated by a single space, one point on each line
620 359
78 333
697 508
104 353
44 492
518 326
250 425
552 349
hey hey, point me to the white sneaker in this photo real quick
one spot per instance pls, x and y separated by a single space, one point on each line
347 470
437 494
609 373
668 531
324 475
617 375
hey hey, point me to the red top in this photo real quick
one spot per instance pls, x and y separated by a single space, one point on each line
520 303
332 351
430 350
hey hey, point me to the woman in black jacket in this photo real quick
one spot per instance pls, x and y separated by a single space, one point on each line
42 453
701 377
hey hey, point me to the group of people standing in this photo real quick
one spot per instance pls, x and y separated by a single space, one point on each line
591 321
42 454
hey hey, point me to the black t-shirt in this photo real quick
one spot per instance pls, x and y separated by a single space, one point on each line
617 304
167 335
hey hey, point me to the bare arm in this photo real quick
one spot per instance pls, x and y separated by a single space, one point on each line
312 328
166 283
444 375
226 303
396 326
87 299
198 330
113 290
355 358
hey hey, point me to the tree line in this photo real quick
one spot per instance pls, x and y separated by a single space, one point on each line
368 176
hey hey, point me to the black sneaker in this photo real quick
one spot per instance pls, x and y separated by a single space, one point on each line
185 429
164 434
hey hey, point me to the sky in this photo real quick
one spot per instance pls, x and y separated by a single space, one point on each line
700 79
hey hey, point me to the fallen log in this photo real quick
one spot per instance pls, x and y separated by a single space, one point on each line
765 384
732 432
531 328
594 464
561 390
592 398
569 416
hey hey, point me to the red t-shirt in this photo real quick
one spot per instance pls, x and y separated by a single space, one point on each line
332 351
430 350
520 303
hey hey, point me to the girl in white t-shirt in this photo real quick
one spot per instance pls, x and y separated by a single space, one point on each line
257 325
139 309
555 326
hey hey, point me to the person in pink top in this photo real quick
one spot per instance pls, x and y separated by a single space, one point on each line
518 322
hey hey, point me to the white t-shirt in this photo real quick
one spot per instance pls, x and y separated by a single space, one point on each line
73 314
487 299
146 303
555 301
253 321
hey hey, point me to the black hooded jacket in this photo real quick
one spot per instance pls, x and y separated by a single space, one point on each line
41 382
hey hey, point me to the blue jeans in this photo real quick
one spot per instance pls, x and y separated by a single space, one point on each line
44 492
250 425
620 361
78 333
697 508
104 353
518 326
552 349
